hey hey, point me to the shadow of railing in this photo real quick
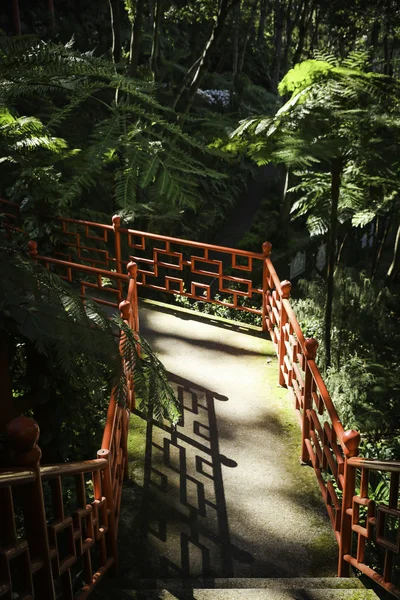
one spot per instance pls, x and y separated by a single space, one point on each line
184 529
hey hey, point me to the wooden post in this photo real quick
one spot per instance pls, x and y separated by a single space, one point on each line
311 346
286 286
126 315
124 439
133 297
107 485
32 249
116 221
266 248
350 441
22 436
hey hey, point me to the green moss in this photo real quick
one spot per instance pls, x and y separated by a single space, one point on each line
136 448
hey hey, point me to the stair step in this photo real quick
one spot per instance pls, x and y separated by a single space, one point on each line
248 594
251 583
316 588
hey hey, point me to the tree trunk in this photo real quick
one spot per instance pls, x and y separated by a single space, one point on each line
248 34
377 258
286 203
150 6
16 17
184 101
276 65
314 35
336 173
261 25
235 65
395 264
304 22
136 38
52 14
116 29
158 14
288 41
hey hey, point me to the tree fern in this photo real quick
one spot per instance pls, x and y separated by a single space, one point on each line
38 308
72 83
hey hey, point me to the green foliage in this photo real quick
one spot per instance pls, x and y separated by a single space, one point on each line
366 396
365 350
131 135
225 312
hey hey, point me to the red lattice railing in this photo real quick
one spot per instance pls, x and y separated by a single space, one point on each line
165 264
58 523
94 256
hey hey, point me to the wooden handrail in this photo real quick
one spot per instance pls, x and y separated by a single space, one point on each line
389 466
330 407
193 244
49 472
13 477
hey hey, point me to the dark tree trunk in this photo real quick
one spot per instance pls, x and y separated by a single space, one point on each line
52 14
261 25
159 9
395 264
303 26
136 37
249 28
16 17
377 258
278 26
186 96
116 29
150 6
375 31
235 65
336 173
289 31
314 35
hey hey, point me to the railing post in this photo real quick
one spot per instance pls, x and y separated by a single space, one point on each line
286 286
133 296
311 346
32 249
22 436
350 442
267 248
108 492
116 221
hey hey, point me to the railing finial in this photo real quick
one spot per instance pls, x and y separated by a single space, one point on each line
32 248
286 286
351 441
116 221
132 269
267 248
311 346
125 307
22 435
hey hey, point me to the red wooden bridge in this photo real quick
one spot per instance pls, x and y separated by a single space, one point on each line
113 265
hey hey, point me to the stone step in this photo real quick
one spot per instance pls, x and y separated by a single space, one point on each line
316 588
252 583
246 594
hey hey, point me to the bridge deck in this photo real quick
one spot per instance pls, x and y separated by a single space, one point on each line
224 495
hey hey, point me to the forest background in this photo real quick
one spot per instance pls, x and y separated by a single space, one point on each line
229 121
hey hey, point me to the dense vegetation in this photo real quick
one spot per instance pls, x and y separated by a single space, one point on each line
161 110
